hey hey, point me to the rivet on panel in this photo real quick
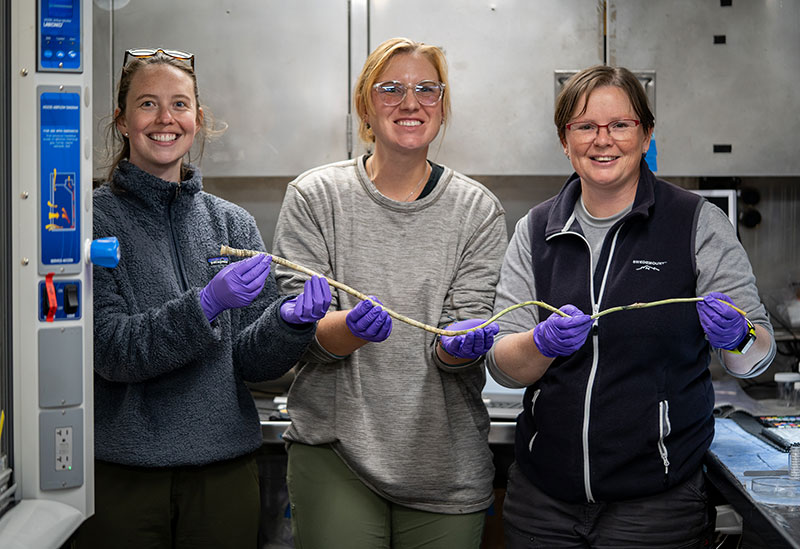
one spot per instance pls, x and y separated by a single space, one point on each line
24 195
23 72
24 261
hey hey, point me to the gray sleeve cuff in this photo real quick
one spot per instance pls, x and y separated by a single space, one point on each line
499 375
452 368
319 354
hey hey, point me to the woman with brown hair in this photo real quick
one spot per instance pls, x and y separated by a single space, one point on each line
618 410
178 329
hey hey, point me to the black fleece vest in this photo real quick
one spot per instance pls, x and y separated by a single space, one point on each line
630 414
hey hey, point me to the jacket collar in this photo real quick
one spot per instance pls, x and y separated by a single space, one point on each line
561 216
152 190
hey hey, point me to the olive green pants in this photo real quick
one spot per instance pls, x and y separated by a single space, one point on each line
212 506
332 509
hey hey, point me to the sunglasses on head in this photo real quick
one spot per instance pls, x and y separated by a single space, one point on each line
144 53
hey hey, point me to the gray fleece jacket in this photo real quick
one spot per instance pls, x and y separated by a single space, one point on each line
169 385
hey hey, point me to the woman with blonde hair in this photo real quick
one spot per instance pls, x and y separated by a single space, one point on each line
388 443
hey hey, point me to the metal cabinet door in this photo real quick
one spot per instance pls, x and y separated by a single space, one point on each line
727 76
276 72
501 56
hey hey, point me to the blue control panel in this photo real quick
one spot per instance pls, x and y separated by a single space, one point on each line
60 36
60 300
59 177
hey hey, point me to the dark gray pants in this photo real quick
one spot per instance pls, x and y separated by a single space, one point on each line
214 506
679 518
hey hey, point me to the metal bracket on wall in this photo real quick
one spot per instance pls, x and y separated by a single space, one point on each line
646 77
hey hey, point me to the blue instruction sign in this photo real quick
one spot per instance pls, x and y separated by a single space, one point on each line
59 176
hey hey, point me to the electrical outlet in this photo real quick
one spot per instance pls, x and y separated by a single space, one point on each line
63 449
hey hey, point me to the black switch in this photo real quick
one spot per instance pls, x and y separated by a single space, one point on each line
70 299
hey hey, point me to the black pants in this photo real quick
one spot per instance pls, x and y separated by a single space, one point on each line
212 506
680 518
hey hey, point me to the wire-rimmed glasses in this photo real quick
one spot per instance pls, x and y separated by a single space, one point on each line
391 93
143 53
620 130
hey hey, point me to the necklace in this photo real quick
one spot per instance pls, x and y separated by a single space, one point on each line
425 177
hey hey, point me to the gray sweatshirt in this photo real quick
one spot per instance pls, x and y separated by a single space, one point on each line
412 429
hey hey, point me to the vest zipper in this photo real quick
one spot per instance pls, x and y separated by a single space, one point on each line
533 405
587 401
664 429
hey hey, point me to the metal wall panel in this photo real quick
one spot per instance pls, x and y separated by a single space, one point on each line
502 56
279 74
274 71
103 81
727 75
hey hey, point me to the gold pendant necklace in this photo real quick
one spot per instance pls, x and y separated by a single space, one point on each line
425 177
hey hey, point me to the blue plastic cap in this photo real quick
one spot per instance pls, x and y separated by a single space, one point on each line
105 252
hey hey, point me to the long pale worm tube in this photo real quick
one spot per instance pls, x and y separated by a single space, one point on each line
227 250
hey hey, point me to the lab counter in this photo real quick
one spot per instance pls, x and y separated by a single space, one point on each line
275 420
500 432
735 460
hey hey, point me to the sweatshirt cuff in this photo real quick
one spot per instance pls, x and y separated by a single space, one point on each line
293 328
452 368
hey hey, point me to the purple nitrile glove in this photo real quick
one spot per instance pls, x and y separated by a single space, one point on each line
236 285
309 306
725 327
473 344
369 321
562 336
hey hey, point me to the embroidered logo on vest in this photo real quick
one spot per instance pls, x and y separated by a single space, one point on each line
645 265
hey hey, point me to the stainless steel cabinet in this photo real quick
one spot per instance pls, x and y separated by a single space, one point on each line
727 80
274 71
279 74
502 57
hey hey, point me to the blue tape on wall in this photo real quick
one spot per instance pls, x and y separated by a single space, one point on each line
652 154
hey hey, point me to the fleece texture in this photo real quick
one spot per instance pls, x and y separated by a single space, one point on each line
170 386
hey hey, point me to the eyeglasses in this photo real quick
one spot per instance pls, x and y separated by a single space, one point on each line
618 129
143 53
391 93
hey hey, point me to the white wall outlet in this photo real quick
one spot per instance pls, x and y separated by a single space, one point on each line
63 449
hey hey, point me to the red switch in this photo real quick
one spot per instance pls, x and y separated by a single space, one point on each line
50 295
